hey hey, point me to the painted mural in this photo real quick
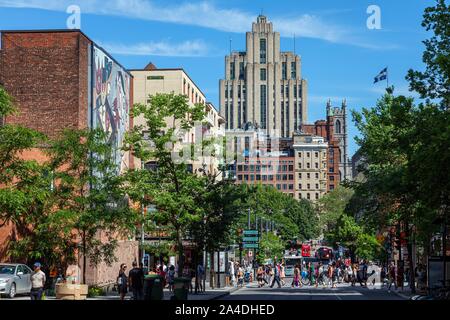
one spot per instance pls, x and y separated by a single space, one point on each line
111 101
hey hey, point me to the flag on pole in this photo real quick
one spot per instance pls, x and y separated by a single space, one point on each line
381 76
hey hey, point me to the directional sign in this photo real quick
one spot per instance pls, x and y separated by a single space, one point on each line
251 246
251 239
250 232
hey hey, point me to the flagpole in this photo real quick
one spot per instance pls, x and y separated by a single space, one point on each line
387 77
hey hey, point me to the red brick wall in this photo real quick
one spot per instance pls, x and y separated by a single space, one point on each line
46 73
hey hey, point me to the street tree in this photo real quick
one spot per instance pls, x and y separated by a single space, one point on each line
171 185
90 203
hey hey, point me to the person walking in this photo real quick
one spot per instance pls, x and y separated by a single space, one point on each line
392 276
276 275
171 277
136 281
240 276
282 274
122 281
312 273
200 276
260 277
232 273
38 279
296 282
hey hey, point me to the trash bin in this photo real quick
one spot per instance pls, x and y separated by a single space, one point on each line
181 288
153 287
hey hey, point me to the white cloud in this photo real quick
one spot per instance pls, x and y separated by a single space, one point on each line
195 48
202 14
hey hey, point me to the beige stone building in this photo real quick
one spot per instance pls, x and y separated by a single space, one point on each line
310 173
263 85
151 80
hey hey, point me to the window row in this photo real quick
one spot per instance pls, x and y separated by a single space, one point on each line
263 177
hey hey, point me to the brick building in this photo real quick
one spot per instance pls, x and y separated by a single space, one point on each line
61 79
334 131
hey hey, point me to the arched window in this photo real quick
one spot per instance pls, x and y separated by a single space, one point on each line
338 126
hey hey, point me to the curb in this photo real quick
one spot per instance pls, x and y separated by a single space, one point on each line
225 293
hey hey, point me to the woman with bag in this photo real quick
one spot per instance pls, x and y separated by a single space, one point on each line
122 282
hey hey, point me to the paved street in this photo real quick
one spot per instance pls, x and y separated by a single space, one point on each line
342 292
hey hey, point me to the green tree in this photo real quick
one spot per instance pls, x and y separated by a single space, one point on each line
271 246
91 206
332 206
171 186
434 82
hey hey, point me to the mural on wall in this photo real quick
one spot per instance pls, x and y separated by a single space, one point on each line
111 101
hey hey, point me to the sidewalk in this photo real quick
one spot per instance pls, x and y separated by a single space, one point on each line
209 294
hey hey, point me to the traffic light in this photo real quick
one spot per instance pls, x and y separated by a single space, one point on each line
241 246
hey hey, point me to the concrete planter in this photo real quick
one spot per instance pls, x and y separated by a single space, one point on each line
68 291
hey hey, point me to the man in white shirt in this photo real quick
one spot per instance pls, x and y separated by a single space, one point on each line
37 282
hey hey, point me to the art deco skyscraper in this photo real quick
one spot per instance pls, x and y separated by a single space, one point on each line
263 86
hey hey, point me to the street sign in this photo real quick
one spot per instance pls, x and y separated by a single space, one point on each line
251 239
250 232
251 246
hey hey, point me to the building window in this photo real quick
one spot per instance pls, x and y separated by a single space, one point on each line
317 186
316 154
308 186
284 71
299 154
331 170
291 187
308 196
262 51
226 92
299 195
308 176
262 75
284 187
252 177
241 71
308 154
263 106
299 175
287 91
317 165
240 177
308 165
279 186
331 186
331 178
226 114
317 176
232 74
295 91
299 165
338 126
317 196
293 71
291 177
300 186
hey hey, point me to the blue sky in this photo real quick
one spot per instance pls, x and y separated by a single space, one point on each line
340 55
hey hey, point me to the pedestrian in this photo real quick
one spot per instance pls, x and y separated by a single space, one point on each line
122 281
136 281
240 275
276 275
296 281
38 279
232 275
200 276
354 274
260 277
392 276
320 275
312 273
171 277
282 274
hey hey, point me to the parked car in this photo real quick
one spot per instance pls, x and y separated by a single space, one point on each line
15 279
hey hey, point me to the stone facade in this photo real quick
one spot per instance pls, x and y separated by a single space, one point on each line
263 85
310 166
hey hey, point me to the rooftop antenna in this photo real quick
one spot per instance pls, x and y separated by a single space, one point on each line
231 40
294 43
